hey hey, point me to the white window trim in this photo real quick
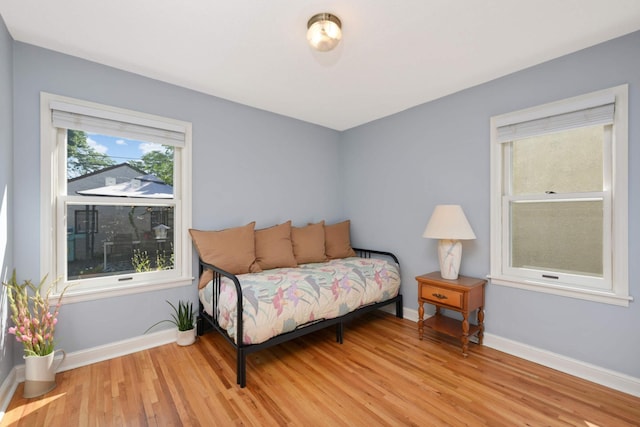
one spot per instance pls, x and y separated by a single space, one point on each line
619 292
50 218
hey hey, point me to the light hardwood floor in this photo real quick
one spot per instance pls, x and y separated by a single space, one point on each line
382 375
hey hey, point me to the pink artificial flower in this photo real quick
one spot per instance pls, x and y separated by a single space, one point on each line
335 289
247 339
279 301
12 330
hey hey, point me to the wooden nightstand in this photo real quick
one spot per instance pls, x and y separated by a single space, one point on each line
464 295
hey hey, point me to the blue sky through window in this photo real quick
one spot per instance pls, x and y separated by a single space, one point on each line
121 150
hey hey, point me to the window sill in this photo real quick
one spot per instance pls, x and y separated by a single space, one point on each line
77 294
565 291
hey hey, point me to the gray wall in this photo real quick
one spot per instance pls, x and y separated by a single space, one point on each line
386 176
6 193
439 153
247 165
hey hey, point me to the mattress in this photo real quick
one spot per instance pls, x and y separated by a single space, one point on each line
283 299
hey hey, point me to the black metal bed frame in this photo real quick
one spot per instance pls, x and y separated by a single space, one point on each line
206 322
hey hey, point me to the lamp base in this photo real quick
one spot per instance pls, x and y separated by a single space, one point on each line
449 255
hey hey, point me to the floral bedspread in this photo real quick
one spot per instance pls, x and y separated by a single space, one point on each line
279 300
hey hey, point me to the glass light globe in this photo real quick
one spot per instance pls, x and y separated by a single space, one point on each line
324 32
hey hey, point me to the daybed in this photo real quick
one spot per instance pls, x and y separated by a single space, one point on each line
260 288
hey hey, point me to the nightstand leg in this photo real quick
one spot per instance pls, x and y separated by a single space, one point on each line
481 324
420 319
465 334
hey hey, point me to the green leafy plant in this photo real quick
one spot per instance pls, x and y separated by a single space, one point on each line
183 316
164 262
140 261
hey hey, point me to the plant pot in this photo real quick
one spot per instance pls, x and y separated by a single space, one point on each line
186 337
40 374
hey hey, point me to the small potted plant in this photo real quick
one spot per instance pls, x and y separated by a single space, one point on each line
183 318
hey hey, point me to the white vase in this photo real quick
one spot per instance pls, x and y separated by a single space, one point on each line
186 337
40 373
449 255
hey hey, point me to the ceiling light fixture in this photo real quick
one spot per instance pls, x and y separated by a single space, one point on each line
324 31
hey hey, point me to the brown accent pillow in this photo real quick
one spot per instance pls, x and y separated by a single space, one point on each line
274 248
207 276
308 243
232 250
337 242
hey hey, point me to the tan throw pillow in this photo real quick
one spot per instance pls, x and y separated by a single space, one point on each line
207 276
308 243
337 241
232 250
274 248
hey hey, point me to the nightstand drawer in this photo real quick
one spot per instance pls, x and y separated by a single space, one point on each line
442 296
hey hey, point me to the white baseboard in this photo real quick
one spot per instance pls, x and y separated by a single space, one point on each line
87 357
606 377
117 349
408 313
411 314
109 351
577 368
7 389
596 374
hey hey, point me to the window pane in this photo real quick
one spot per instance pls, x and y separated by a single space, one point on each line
558 236
563 162
113 239
102 165
106 240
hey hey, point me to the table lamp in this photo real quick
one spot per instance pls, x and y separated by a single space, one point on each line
449 224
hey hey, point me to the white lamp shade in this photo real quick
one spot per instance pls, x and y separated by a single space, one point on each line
448 222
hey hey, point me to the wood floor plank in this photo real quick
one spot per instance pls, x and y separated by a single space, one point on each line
382 375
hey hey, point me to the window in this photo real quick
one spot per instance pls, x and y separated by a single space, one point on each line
116 202
559 198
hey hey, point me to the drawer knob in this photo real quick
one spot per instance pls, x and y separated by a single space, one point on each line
440 296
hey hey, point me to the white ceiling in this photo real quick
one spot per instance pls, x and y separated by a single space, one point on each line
394 54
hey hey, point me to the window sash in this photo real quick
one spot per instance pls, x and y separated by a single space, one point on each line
533 275
615 189
53 195
116 280
552 277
